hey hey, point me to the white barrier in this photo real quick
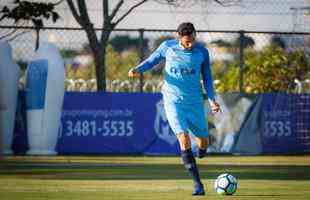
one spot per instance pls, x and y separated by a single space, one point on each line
44 98
9 74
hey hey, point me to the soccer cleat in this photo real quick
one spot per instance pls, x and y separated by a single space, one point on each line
199 190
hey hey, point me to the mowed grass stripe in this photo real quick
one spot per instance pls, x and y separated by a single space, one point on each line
148 189
150 178
212 160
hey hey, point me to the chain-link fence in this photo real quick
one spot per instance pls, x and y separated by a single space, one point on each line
242 61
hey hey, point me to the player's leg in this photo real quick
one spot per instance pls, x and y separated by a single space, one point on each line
190 162
202 143
198 126
176 116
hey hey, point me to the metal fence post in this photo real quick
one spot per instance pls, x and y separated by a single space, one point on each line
241 60
141 54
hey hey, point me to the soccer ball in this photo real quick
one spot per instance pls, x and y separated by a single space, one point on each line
225 184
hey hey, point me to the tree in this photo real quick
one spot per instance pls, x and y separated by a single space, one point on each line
26 11
270 70
247 42
99 44
111 18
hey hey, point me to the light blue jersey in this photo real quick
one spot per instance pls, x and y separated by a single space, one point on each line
183 72
182 91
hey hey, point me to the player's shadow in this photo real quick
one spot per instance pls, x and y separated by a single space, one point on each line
130 171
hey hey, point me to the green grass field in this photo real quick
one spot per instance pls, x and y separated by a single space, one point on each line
150 178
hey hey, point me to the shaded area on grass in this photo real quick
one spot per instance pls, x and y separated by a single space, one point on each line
149 171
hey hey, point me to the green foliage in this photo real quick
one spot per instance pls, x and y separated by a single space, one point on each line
247 42
68 53
123 42
85 73
30 11
222 43
118 65
230 81
270 70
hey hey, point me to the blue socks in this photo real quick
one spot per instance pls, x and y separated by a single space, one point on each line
201 153
190 164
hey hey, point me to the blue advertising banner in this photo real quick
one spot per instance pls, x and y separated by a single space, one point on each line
114 123
279 134
136 123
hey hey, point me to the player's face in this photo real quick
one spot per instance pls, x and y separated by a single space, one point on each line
187 41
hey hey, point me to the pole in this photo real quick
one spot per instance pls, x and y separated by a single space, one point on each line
141 55
241 61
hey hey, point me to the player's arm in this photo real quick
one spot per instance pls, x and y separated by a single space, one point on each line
208 83
150 62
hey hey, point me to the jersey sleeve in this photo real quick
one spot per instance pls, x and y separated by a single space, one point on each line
207 75
153 59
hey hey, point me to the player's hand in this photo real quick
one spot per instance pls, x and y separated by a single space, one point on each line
132 73
215 107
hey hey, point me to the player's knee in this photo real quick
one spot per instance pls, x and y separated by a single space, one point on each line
205 142
202 142
184 140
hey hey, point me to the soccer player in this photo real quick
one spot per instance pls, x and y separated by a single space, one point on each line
187 62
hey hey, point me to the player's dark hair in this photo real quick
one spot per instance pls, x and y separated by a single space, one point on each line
186 28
